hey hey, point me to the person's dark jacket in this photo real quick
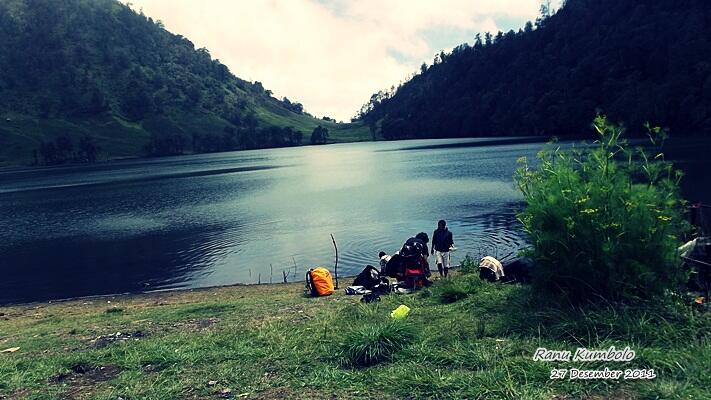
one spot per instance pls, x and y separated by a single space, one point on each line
442 240
368 278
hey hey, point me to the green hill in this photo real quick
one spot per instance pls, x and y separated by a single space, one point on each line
82 74
634 61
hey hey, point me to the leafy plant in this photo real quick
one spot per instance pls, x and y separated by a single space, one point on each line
604 220
469 265
376 342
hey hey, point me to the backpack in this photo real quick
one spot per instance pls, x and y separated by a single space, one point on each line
395 266
412 248
319 282
368 278
414 276
520 270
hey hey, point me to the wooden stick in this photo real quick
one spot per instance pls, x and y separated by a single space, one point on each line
335 268
284 275
271 273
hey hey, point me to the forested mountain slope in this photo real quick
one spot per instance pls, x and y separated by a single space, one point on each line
79 76
636 61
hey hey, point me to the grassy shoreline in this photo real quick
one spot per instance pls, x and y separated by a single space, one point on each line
470 340
120 139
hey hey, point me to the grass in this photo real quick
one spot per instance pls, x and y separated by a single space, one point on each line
21 134
376 342
269 341
451 290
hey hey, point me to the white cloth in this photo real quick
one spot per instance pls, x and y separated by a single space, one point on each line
494 265
687 248
384 261
442 257
355 290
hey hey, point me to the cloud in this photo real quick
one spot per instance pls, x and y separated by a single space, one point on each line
330 55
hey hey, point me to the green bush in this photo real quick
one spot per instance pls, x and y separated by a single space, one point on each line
605 220
376 342
469 265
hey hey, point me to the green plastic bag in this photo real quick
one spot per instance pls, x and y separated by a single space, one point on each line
400 312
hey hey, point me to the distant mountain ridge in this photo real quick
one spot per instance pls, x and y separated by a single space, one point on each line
97 71
634 61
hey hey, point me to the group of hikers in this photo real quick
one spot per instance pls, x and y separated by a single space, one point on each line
442 245
410 268
410 265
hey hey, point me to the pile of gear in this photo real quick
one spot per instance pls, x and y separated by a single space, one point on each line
408 270
403 272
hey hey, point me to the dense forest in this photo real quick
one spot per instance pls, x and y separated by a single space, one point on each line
634 61
83 79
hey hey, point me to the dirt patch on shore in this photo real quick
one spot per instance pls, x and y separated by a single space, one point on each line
83 378
201 324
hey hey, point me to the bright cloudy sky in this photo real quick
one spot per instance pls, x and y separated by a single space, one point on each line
331 55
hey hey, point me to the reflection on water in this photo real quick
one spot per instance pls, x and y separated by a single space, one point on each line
224 218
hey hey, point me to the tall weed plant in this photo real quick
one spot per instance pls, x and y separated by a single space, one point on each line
604 220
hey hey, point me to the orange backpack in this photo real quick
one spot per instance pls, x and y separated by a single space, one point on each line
319 282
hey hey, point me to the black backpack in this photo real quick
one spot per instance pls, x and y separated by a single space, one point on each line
395 267
368 278
413 248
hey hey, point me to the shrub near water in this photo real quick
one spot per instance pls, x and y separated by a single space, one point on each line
604 221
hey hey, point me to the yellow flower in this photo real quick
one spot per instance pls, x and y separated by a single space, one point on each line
590 211
583 200
664 218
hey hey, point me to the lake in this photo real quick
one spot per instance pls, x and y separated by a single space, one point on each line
244 217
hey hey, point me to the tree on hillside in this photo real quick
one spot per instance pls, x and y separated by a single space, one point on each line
48 152
88 149
319 135
293 106
58 151
296 137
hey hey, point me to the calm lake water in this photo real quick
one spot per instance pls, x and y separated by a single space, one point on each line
224 218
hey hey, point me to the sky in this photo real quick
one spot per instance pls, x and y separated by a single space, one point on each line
332 55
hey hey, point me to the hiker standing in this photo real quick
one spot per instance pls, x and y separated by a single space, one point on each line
442 241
